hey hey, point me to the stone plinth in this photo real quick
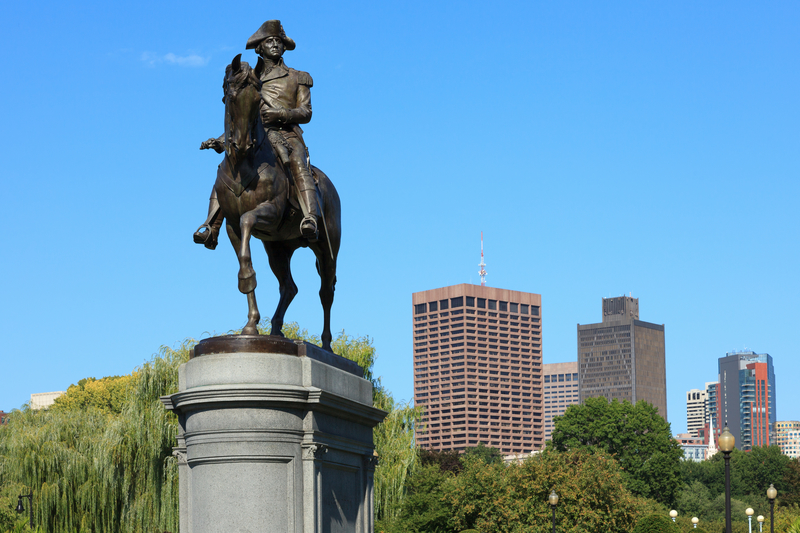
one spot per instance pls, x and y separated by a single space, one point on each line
276 436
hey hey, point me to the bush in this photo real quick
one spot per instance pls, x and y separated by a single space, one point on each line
654 523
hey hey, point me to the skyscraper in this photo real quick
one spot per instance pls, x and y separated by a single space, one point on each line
747 398
478 368
787 437
560 391
695 411
623 357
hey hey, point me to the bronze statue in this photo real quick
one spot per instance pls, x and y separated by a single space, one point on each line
265 185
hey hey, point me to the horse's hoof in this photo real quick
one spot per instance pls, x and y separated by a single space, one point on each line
247 284
250 330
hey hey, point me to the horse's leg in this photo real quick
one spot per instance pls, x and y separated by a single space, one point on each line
326 267
280 257
253 316
247 275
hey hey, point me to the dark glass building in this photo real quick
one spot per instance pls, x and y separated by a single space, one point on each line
623 357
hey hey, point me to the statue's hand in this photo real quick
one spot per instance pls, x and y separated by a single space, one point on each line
270 115
214 144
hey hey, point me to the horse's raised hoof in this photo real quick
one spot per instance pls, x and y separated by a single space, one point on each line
250 330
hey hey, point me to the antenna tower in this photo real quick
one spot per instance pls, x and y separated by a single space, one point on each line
482 271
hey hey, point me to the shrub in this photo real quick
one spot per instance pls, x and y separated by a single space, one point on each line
654 523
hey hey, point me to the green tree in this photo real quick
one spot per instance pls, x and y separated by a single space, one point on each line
514 498
447 460
791 484
108 394
484 453
635 435
425 509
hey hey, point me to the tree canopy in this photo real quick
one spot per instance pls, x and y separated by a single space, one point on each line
635 435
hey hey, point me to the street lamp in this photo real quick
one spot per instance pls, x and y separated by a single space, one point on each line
672 514
21 508
749 512
726 443
553 502
695 520
760 519
771 495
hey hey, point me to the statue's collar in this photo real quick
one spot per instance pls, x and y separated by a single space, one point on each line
277 71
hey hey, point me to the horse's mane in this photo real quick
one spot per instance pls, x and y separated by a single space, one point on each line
241 77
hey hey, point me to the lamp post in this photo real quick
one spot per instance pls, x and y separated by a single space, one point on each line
695 520
726 443
749 512
553 502
21 508
771 495
760 519
672 514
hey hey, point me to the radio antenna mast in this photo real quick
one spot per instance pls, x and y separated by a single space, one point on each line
482 271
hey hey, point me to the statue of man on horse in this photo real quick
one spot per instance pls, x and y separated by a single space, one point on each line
266 187
285 104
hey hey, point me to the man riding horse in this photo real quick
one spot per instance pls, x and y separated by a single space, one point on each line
285 104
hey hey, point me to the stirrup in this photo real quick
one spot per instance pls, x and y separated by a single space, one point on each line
207 238
308 228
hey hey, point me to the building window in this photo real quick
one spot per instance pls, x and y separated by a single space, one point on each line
457 302
471 301
433 307
535 310
523 308
514 308
493 305
419 309
443 304
482 303
504 306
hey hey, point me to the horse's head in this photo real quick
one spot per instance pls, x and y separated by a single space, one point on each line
242 87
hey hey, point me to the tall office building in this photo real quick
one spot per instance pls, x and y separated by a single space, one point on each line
747 398
478 368
623 357
560 391
712 412
695 411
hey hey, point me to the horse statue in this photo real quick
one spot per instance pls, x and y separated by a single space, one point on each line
256 198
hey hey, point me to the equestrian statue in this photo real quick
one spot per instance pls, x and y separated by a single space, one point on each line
266 186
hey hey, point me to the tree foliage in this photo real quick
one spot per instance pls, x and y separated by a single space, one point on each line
635 435
655 523
514 498
107 394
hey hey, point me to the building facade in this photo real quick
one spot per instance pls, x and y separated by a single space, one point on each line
694 449
787 436
623 357
41 400
747 398
478 368
560 391
695 411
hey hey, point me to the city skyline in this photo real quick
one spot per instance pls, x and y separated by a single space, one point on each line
673 125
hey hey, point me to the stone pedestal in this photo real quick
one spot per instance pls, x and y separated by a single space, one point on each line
276 436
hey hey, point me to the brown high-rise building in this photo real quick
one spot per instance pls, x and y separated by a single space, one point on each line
623 357
478 368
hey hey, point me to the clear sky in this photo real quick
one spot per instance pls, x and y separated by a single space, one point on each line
649 148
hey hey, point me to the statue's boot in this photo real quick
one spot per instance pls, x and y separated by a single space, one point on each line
308 201
208 233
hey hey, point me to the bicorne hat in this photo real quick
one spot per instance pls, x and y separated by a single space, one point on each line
271 28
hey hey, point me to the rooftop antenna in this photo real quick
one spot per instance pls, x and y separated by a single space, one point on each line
482 271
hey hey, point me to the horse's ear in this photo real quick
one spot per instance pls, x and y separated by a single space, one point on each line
236 64
259 67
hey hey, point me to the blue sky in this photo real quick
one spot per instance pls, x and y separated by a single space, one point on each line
602 148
